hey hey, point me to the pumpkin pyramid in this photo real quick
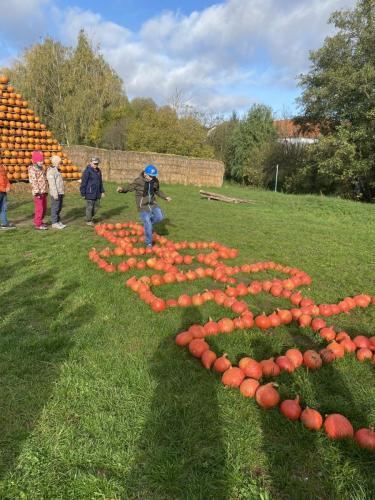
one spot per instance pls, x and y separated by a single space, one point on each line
21 132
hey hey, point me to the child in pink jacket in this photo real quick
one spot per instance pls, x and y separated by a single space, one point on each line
39 187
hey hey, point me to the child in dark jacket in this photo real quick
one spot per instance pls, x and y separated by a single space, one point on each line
146 186
92 189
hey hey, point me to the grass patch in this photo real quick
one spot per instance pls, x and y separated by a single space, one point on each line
98 402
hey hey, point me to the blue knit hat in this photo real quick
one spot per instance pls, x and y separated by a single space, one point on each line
151 170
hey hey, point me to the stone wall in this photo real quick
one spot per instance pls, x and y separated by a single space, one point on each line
124 166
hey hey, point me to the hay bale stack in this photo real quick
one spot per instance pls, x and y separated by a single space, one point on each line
124 166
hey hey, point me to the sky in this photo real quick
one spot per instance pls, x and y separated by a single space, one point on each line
218 56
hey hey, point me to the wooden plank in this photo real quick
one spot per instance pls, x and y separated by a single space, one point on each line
220 197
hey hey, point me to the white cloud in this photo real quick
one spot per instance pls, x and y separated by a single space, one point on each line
219 56
22 21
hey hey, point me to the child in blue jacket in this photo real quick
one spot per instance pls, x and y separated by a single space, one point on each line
92 189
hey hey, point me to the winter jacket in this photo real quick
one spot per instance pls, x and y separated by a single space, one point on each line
55 182
4 181
145 192
38 180
92 183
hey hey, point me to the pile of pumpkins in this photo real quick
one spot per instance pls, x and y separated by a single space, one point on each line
249 376
21 132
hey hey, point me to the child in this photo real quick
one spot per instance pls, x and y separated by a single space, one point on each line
39 187
92 189
4 190
56 191
146 186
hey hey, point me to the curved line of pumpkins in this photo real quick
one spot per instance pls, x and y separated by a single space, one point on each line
247 375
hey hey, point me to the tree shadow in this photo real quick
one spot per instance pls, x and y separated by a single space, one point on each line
181 450
313 461
37 326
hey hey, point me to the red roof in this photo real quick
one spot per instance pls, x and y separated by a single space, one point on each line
288 128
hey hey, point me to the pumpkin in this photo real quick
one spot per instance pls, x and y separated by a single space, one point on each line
318 324
249 387
327 355
291 409
184 300
342 336
211 328
197 347
183 338
267 396
285 364
285 316
233 377
327 334
337 349
222 364
248 320
362 341
158 305
304 320
363 353
365 438
262 322
348 345
208 358
274 320
311 419
295 357
270 368
251 368
225 325
337 426
312 359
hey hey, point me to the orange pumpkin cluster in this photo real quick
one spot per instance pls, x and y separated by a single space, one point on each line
21 132
166 258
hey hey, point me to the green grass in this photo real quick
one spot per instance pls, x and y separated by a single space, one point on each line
96 401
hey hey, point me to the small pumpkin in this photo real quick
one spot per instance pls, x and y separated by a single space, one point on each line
365 438
311 419
337 426
291 408
197 347
233 377
295 356
270 368
267 396
249 387
251 368
222 364
208 358
312 359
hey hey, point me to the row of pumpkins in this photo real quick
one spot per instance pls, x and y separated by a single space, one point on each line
21 133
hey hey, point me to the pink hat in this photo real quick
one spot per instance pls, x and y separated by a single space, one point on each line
37 156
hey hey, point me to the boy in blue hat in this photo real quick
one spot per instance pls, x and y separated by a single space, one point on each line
146 186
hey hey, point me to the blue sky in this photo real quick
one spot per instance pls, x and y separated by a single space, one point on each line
218 56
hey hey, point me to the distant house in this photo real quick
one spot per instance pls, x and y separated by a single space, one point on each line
288 131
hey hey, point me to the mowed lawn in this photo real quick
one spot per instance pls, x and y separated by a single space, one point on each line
97 401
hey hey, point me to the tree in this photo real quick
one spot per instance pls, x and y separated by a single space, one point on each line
71 89
250 145
220 137
338 94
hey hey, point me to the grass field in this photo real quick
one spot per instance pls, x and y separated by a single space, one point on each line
96 400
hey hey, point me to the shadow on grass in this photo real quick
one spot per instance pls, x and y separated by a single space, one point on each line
161 228
78 213
302 463
37 327
181 450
